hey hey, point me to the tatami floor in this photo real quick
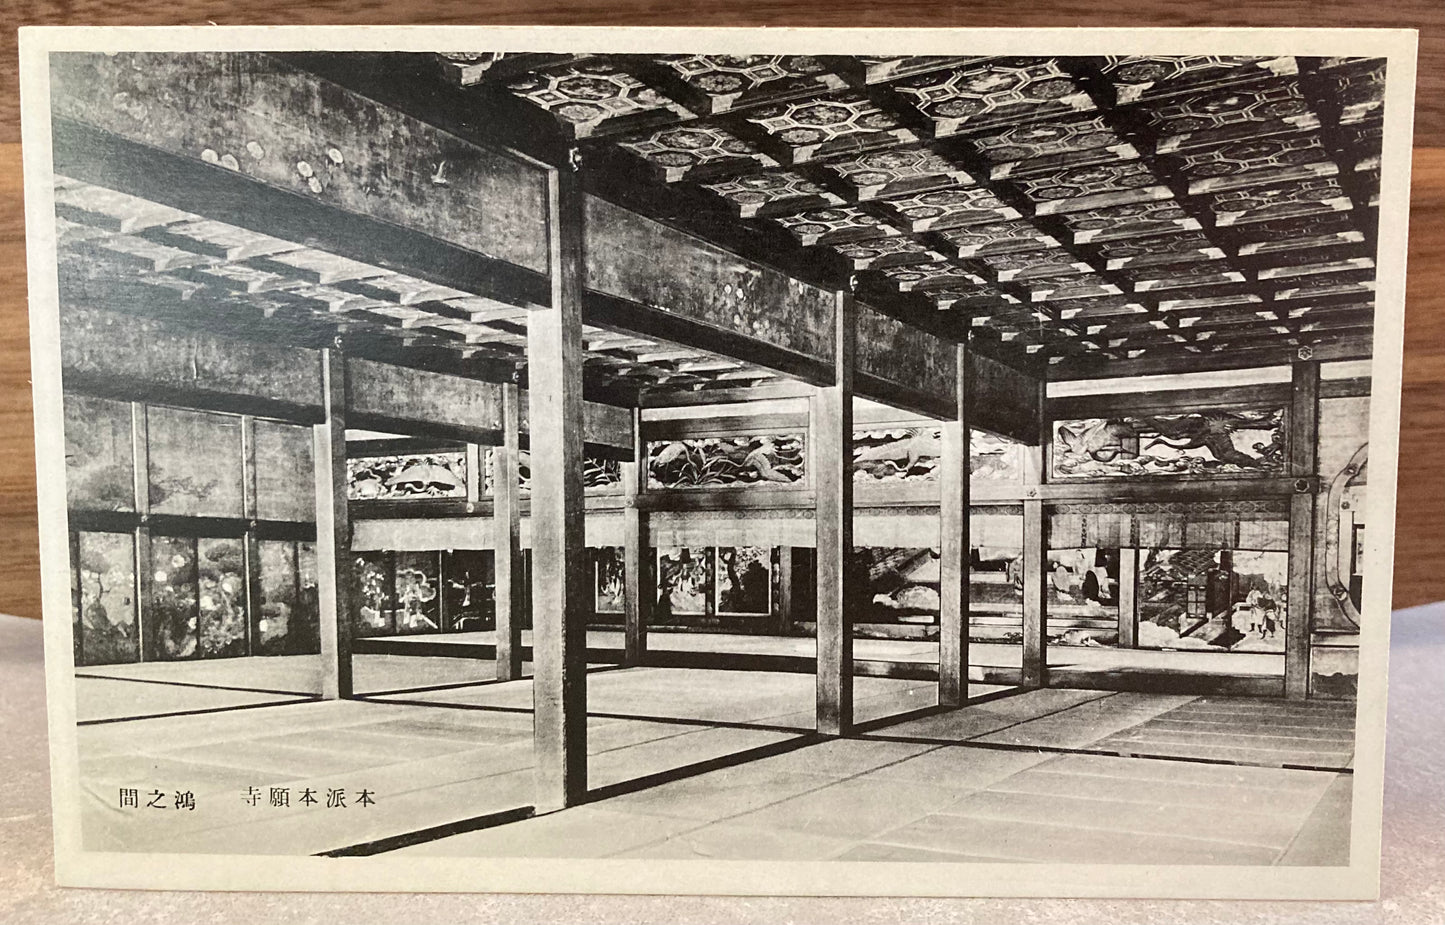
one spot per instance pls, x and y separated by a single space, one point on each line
981 654
707 763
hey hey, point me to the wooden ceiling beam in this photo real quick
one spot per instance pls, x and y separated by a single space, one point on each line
485 114
1348 348
97 156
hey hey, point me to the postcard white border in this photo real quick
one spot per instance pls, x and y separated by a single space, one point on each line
75 867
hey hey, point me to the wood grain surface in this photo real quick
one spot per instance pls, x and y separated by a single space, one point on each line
1421 511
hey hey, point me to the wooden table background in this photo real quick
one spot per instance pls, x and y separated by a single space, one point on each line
1419 577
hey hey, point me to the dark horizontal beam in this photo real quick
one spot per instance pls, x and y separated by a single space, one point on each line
683 428
131 388
888 392
736 499
769 392
484 114
1358 348
178 525
121 356
429 511
1075 407
400 446
1145 490
192 185
242 318
614 176
626 315
1276 394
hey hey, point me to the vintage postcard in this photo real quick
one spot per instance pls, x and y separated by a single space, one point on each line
918 462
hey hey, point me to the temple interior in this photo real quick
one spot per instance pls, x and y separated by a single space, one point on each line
695 456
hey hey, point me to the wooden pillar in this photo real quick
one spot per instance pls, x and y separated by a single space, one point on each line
782 616
1035 564
1036 579
333 531
507 538
251 556
476 458
1128 598
560 585
1303 424
954 545
832 460
144 573
637 590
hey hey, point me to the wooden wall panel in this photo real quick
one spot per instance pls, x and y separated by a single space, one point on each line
1005 400
161 363
645 262
256 116
892 354
382 396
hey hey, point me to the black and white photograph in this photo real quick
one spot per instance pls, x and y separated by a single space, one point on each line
723 461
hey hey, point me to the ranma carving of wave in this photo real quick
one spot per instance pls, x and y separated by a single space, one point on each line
726 461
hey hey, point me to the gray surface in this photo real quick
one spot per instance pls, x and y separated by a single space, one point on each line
1414 850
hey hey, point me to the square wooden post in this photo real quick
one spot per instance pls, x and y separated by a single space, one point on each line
141 536
1036 581
250 509
507 538
781 620
832 460
1301 443
1035 565
954 546
1128 597
637 590
560 585
334 585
